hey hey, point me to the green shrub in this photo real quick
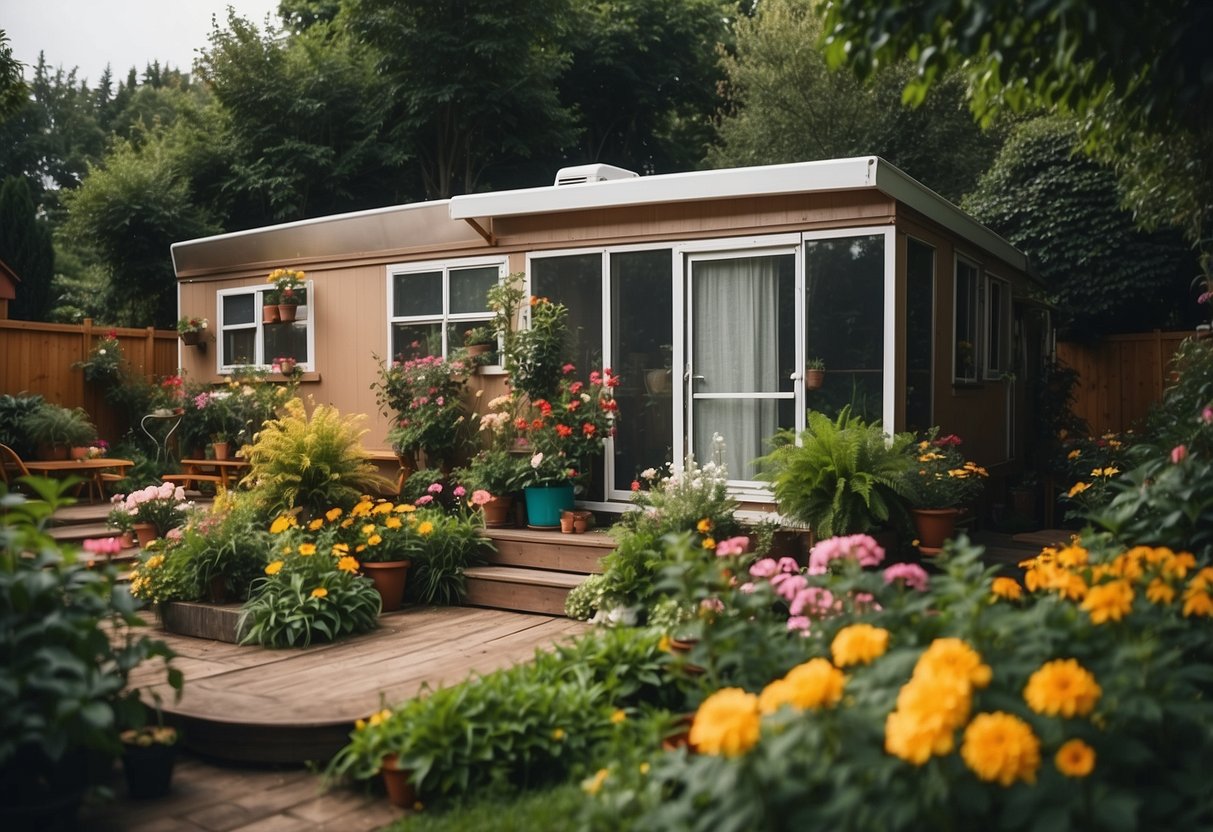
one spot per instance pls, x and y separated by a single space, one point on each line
845 476
312 463
68 647
441 547
52 424
13 411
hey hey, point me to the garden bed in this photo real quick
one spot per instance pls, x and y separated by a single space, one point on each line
188 618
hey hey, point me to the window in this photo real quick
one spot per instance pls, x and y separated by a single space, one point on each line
249 338
920 333
998 328
431 306
967 304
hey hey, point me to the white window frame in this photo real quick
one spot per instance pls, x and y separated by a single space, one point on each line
976 328
259 326
991 370
445 318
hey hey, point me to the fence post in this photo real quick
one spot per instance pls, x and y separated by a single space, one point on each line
149 354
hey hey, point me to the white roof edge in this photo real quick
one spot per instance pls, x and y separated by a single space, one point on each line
905 189
765 180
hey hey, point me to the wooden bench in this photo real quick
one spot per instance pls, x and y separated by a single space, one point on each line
187 480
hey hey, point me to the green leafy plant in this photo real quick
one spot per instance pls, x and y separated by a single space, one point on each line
104 362
191 324
494 470
845 476
941 477
163 506
13 410
68 646
307 595
312 463
423 396
53 424
441 547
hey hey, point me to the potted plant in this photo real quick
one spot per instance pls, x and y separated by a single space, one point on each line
291 293
384 544
148 754
424 396
479 342
152 511
54 429
220 445
814 373
843 477
499 474
190 330
63 683
939 483
269 306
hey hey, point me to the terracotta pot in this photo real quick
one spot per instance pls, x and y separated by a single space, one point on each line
398 781
286 312
934 525
52 452
813 379
389 579
222 449
128 540
497 512
566 522
478 349
269 314
78 452
145 533
580 525
191 339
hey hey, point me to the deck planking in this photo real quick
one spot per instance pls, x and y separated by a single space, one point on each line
254 703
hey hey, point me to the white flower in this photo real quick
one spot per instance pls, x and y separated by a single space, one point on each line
101 352
537 460
585 397
648 474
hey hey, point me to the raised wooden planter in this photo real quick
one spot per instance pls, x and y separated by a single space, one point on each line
213 621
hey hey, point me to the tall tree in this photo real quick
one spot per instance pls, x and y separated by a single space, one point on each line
643 80
1103 274
12 84
784 105
25 244
471 83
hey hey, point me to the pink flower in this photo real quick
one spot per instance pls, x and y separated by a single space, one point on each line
636 487
866 602
860 547
764 568
568 368
480 497
731 546
435 488
1179 453
102 545
911 574
788 585
1207 415
173 534
799 624
711 605
814 600
424 500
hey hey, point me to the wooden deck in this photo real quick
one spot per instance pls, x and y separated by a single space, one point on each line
256 704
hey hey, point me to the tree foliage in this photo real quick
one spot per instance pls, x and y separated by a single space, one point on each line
12 84
784 105
1104 274
25 245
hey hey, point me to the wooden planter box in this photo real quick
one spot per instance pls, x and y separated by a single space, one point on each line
213 621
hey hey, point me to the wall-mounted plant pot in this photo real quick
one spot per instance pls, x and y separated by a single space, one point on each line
286 312
191 339
269 314
813 379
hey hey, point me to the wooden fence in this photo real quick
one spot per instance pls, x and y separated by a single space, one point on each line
39 358
1120 377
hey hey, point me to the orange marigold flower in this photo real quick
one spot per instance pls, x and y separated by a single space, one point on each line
809 686
1109 602
952 656
1007 588
425 527
347 564
1072 556
274 568
1062 687
1160 592
1075 759
704 526
280 524
362 509
1001 747
316 524
319 592
1198 602
728 722
332 514
859 644
307 549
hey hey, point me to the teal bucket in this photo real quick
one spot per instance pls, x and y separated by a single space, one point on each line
544 504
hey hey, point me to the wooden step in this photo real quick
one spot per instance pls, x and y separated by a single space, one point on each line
522 590
553 551
81 531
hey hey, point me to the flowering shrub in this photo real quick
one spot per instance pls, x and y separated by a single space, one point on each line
1074 698
424 396
191 324
1090 464
941 477
288 286
163 506
564 432
104 360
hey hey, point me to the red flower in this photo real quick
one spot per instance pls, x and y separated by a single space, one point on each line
595 377
610 404
564 431
588 429
575 387
520 423
537 424
573 405
544 406
635 485
568 368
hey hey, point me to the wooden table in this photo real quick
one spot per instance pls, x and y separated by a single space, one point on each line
94 471
225 472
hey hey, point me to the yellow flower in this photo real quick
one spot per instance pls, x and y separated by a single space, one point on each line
425 527
332 514
1075 759
704 526
1007 588
1111 471
1062 687
367 529
952 657
347 522
155 561
663 643
593 785
319 592
1077 488
374 540
382 508
405 508
1109 602
316 524
1097 472
558 734
362 509
1074 454
307 549
859 644
619 716
347 564
814 684
1072 556
340 549
1001 747
709 543
1160 592
1198 602
1178 565
392 523
280 524
274 568
728 722
379 717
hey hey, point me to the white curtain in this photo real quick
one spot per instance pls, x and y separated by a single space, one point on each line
735 350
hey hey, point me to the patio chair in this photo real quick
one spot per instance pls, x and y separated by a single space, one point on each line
11 466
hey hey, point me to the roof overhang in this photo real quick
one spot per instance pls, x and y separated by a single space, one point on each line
858 173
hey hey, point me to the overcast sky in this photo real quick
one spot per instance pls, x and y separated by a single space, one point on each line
123 33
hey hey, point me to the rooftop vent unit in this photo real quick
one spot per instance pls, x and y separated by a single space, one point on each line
583 174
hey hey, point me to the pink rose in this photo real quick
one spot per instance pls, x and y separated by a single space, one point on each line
480 497
1179 453
911 574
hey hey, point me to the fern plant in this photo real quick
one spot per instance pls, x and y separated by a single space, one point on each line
311 463
844 477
